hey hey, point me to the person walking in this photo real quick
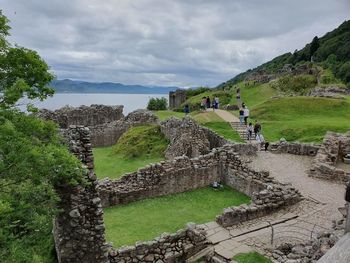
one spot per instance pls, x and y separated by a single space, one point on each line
246 115
241 116
203 103
249 131
261 142
257 127
213 104
187 109
238 96
208 103
216 102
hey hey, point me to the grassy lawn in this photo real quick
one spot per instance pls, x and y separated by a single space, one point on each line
252 257
224 129
304 119
205 116
166 114
147 219
112 165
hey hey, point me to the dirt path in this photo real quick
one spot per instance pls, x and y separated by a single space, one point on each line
226 116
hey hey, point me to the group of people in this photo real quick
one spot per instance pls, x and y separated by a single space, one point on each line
206 103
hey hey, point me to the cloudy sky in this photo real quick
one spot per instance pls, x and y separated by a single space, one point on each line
166 42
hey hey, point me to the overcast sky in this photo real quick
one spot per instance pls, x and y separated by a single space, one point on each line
166 42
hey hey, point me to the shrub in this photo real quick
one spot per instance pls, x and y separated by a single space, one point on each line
157 104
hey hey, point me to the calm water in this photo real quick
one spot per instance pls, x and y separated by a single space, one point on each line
130 101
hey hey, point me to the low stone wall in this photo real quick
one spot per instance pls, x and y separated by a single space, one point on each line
268 195
170 177
175 247
84 115
334 147
295 148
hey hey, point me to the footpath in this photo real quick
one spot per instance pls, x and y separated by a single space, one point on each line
235 124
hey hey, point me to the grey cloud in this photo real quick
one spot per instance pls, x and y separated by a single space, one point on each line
165 42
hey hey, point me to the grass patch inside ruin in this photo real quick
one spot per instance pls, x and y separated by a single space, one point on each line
112 165
224 129
136 148
146 219
252 257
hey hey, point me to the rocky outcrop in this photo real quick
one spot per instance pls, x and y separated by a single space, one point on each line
334 92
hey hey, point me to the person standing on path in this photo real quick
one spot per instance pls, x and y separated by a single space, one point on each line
216 102
249 131
208 103
241 116
257 128
187 109
246 115
238 96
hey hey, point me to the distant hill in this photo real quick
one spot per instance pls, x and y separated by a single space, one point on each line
72 86
332 51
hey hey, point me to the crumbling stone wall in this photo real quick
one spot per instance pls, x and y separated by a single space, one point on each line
334 147
175 248
176 98
164 178
79 232
296 148
84 115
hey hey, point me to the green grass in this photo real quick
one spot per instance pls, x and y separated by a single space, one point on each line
147 219
224 129
305 119
252 257
136 148
205 116
166 114
112 165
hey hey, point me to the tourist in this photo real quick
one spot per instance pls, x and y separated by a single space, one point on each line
246 115
216 102
257 128
243 105
213 104
249 131
238 96
208 103
241 116
261 142
203 103
186 109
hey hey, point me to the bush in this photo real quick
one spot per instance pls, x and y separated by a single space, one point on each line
157 104
32 161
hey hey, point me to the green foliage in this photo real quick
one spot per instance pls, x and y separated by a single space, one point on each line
166 214
194 92
22 71
332 51
157 104
299 84
344 73
32 162
252 257
112 165
166 114
145 140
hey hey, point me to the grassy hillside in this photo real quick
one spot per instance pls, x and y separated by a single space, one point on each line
331 52
302 118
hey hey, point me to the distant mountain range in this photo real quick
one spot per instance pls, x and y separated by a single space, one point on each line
73 86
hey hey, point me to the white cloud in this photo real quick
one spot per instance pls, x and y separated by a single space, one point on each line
166 42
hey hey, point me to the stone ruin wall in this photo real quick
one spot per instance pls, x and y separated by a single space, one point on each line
334 147
176 98
295 148
184 174
79 232
84 115
174 248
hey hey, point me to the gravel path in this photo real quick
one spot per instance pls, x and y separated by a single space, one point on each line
226 116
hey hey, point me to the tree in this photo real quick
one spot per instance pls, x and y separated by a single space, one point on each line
22 71
157 104
314 46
